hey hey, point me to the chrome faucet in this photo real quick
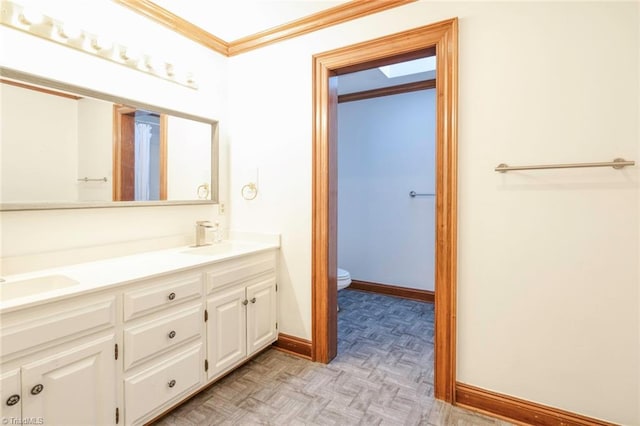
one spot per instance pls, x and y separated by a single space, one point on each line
201 235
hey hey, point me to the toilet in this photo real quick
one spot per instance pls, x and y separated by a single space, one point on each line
344 279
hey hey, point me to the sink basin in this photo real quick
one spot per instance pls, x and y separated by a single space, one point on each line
29 287
219 248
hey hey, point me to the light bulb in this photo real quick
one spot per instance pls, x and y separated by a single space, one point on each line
129 54
69 31
170 70
156 65
30 16
183 76
102 43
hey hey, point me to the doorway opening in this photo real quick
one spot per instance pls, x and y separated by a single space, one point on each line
439 39
139 154
386 180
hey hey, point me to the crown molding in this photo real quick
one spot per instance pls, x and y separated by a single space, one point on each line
345 12
174 22
326 18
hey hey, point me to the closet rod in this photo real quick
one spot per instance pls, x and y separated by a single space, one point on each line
617 163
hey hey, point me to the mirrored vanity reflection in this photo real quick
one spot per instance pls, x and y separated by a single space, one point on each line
67 147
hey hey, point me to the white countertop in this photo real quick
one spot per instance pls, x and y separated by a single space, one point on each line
102 274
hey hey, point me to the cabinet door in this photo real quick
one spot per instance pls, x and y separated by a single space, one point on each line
226 330
74 386
10 395
261 315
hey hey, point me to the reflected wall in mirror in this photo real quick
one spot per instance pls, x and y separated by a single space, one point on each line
62 148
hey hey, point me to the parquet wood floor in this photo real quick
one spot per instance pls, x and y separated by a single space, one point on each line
383 375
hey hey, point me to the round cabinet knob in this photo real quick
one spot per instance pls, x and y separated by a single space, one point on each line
13 400
172 334
245 301
172 296
172 383
253 300
36 389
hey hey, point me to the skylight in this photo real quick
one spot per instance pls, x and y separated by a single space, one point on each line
410 67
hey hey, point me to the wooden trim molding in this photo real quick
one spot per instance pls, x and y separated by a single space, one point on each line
174 22
520 410
324 231
118 112
293 345
164 135
326 18
392 290
40 89
345 12
444 37
387 91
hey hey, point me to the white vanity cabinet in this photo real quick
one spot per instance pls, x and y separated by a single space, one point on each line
241 310
58 363
163 343
127 352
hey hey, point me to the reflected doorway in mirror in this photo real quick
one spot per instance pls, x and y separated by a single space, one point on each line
140 155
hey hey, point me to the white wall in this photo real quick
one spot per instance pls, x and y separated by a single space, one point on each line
548 261
386 148
189 154
95 149
44 170
34 233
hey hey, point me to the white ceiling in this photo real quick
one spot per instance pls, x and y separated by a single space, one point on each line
234 19
231 20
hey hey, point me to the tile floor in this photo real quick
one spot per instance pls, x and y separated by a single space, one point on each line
383 375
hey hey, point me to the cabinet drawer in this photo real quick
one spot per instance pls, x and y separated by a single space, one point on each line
238 270
158 335
164 382
45 325
165 293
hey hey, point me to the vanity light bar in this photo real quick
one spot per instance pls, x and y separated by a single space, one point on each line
32 22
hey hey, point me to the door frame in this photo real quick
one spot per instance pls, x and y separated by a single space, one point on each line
442 39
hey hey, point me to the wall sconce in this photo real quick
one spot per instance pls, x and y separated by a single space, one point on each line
33 22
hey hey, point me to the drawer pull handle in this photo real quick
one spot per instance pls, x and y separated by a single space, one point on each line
172 383
172 296
244 302
253 300
172 334
13 400
36 389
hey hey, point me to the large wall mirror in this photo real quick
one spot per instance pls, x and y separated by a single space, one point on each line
63 146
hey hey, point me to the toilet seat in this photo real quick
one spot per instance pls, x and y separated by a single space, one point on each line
344 279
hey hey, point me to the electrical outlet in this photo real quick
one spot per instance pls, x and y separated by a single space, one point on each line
221 208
